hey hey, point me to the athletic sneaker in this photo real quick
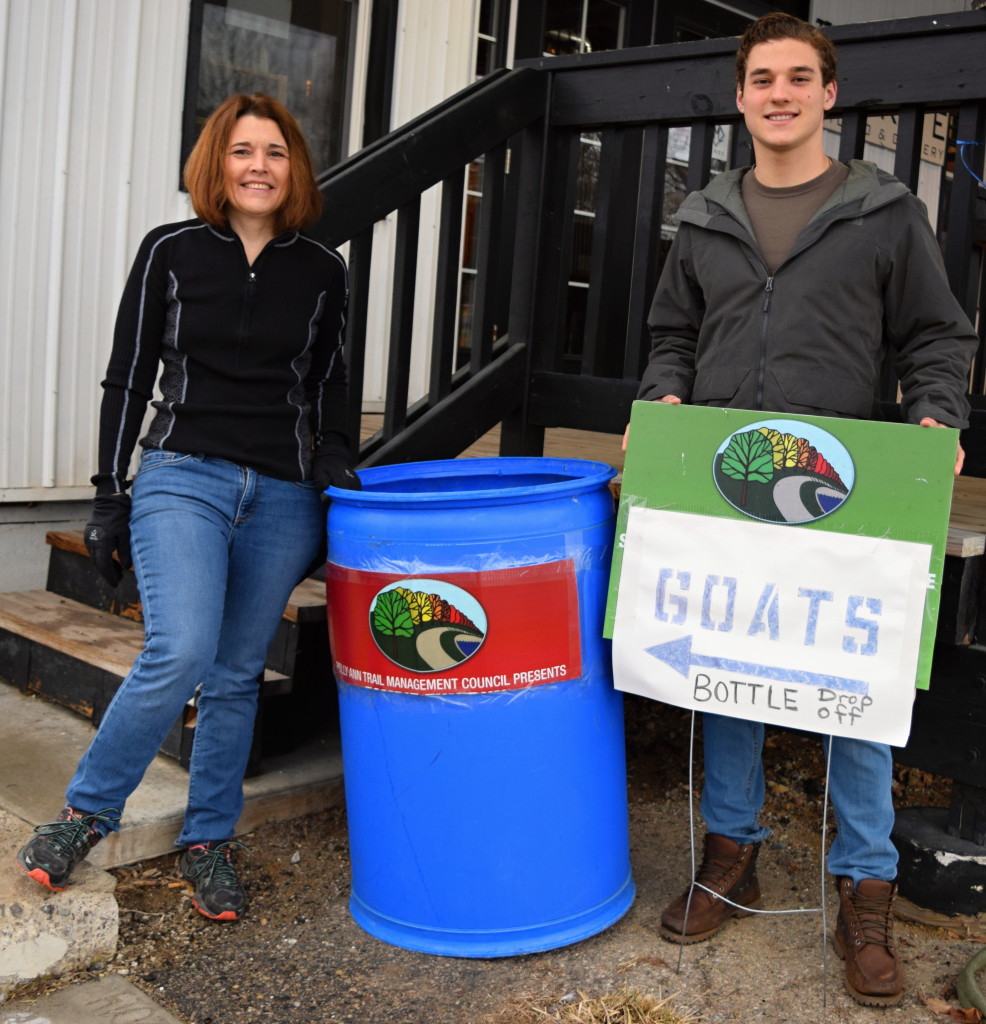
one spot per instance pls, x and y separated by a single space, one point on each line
51 856
209 866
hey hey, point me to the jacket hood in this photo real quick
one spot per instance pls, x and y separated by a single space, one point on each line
866 188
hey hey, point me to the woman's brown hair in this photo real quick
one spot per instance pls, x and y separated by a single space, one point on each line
205 177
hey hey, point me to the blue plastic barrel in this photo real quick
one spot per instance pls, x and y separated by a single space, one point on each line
482 737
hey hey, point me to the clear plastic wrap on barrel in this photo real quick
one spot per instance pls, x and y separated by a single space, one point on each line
482 737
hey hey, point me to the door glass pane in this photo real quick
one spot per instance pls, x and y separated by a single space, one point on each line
294 50
583 26
562 27
604 25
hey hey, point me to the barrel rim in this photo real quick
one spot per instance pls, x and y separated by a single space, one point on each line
577 477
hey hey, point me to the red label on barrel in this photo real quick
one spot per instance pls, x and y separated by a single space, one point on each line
459 632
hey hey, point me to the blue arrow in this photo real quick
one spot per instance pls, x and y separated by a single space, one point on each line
677 654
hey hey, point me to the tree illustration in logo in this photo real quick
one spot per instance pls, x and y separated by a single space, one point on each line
423 631
778 475
392 617
749 456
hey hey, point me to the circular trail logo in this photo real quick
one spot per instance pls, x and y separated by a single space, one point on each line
426 625
783 471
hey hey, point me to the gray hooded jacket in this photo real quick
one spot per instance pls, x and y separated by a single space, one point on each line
864 276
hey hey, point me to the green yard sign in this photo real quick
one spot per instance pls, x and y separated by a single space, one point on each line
779 567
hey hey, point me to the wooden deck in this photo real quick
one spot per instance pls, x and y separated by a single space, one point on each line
558 443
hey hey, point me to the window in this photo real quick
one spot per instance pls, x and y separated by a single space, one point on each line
297 51
489 37
583 26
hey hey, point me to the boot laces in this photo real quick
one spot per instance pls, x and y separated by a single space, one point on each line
714 869
875 916
215 863
76 832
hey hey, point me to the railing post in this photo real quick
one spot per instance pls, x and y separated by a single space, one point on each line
517 435
490 231
646 247
447 287
402 318
959 252
611 265
360 257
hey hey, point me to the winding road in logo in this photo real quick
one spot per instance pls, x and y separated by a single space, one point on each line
783 471
426 625
433 646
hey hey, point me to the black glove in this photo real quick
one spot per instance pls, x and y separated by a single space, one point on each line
107 531
333 469
330 469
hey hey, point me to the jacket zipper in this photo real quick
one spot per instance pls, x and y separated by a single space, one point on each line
246 311
764 319
832 216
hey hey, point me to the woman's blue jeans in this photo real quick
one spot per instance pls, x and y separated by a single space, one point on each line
860 777
217 550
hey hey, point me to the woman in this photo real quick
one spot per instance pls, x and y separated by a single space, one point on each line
244 316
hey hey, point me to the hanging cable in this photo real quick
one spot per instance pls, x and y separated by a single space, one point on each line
962 143
691 836
821 886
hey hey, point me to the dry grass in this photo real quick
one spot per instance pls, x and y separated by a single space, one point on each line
626 1006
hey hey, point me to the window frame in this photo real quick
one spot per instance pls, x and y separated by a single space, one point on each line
193 66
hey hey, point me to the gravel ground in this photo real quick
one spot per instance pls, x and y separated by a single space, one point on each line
298 957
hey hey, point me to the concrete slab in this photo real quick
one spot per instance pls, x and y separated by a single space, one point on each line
108 999
40 746
48 933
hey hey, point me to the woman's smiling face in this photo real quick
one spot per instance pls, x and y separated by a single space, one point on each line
257 168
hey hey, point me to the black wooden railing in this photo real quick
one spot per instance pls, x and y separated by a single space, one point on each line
528 380
392 175
633 97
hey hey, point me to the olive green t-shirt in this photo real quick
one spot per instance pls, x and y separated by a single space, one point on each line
779 214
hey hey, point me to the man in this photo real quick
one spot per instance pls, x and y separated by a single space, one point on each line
786 284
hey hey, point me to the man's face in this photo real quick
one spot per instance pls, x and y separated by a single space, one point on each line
783 98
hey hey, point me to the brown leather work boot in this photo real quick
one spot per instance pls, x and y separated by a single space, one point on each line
864 938
731 871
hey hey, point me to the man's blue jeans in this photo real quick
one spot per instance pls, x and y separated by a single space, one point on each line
217 550
860 777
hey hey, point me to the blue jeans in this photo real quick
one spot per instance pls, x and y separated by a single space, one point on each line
860 777
217 550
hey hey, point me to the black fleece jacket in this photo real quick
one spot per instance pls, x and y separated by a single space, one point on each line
252 355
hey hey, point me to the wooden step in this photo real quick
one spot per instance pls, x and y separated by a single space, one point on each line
300 646
71 574
71 638
77 656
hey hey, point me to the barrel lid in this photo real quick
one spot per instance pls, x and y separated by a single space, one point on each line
498 480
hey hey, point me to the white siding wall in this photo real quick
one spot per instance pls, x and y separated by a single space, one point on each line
90 116
91 109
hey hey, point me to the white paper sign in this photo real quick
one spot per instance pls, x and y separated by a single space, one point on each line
800 628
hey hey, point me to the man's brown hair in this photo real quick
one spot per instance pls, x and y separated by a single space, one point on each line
785 26
205 177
